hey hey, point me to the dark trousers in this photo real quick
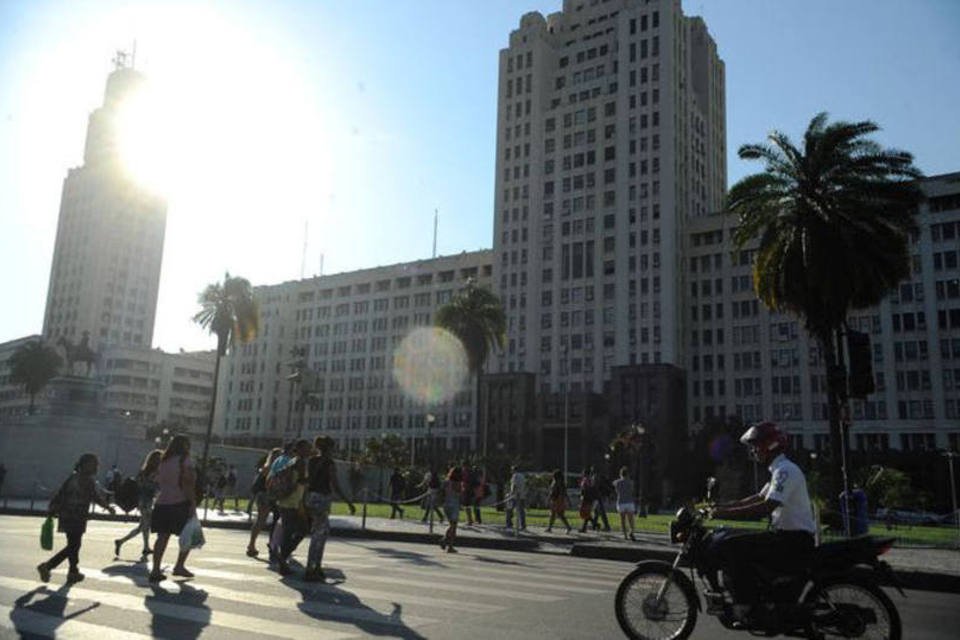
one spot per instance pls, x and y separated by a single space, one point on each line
71 552
600 513
785 552
294 528
395 509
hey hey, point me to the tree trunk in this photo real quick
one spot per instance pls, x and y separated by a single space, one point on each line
213 409
836 395
481 430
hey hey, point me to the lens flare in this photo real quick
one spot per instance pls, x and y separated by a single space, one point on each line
430 365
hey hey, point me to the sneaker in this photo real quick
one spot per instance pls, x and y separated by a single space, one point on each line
116 548
252 553
156 576
44 572
74 576
182 572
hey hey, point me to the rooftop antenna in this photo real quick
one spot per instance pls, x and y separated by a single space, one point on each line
436 216
303 258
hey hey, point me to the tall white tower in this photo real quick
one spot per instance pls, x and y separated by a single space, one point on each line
610 134
106 261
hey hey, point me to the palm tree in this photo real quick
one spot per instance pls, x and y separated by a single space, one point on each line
831 222
33 365
475 316
230 311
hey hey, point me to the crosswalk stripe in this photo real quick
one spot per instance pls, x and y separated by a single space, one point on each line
464 587
25 621
200 615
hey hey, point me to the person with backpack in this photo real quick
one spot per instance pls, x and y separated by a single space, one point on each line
322 485
273 489
259 497
71 505
147 491
287 486
176 504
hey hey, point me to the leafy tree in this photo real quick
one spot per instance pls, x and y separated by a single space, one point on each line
388 451
476 317
230 311
33 365
831 221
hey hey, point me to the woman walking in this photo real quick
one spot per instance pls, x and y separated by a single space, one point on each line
558 501
626 507
147 487
322 485
261 500
452 489
176 503
71 505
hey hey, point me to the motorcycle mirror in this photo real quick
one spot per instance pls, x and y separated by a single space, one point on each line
711 482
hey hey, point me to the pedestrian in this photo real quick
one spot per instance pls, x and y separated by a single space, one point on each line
466 491
232 488
276 533
603 490
146 493
588 495
219 490
396 493
71 505
452 492
176 503
322 485
431 486
557 498
626 506
258 491
292 516
480 491
517 499
110 476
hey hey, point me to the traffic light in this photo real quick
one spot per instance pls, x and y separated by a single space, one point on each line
860 380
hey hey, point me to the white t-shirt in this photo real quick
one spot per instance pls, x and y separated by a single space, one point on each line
518 486
788 486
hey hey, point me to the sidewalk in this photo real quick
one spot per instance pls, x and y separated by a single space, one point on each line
916 568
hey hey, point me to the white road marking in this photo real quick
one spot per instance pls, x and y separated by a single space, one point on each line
26 621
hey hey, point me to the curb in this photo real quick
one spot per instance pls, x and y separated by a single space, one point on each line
909 578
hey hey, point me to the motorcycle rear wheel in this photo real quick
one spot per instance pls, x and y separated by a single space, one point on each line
841 610
643 617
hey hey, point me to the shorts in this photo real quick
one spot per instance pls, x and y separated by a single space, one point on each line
170 518
452 511
626 507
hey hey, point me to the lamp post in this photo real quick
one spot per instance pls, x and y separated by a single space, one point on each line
950 455
638 432
430 420
566 426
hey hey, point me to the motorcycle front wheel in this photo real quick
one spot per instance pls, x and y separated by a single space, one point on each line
853 609
644 615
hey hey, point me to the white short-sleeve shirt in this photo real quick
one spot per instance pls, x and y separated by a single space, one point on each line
788 486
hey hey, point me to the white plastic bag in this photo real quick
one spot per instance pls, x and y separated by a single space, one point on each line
192 535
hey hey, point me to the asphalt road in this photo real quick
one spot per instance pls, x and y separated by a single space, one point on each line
374 588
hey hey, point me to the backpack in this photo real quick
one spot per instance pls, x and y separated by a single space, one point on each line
127 495
282 483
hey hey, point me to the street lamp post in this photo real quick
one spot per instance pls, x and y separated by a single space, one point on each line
430 420
950 455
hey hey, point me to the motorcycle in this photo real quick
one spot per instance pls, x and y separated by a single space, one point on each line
836 596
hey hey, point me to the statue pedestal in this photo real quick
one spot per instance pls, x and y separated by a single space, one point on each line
75 396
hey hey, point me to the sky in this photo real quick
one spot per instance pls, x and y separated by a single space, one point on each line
343 126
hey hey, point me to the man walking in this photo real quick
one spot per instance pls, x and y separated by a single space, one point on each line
517 500
396 493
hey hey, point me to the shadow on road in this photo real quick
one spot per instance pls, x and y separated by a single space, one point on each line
53 604
168 622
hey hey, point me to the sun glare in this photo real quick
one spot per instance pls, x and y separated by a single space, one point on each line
234 130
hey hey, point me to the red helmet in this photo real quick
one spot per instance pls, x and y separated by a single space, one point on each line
764 438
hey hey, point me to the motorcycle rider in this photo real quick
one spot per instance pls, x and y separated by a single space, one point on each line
788 544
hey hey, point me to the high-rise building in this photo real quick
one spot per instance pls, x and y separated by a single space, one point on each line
347 328
105 272
610 137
